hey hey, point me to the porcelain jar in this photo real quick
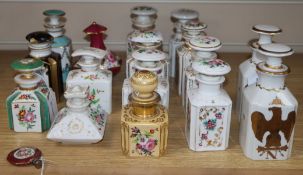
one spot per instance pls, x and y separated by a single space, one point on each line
247 69
208 113
39 44
77 123
179 17
269 109
31 106
144 122
98 80
190 30
61 44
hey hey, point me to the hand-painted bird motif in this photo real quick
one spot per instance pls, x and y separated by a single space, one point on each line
273 141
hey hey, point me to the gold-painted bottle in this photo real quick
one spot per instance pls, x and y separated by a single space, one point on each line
144 122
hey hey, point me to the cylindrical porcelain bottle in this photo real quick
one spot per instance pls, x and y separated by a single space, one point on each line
154 61
190 30
144 122
179 17
202 48
209 108
61 44
98 80
269 109
77 123
40 48
247 69
31 107
96 33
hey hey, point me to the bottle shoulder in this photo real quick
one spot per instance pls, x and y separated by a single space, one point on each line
198 99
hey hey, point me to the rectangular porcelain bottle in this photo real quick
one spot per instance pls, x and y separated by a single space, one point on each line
98 80
144 122
209 108
247 69
31 107
179 17
269 109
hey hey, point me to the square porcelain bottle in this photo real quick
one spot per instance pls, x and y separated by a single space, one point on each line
61 44
98 80
144 122
31 106
269 109
247 69
78 123
152 60
179 17
202 48
209 108
190 30
40 48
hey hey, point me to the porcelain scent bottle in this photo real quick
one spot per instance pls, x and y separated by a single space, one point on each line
179 17
269 109
209 108
96 33
77 123
30 107
143 20
202 48
61 44
247 69
154 61
98 80
144 122
190 30
40 48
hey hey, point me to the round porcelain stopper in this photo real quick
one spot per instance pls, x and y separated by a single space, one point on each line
266 29
184 14
143 10
148 55
205 43
216 67
146 37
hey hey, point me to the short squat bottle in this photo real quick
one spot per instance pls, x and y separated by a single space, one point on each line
269 109
209 108
144 122
30 107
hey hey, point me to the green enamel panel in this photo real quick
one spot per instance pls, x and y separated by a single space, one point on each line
25 64
9 109
54 12
45 117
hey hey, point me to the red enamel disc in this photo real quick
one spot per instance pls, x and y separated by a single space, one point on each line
24 156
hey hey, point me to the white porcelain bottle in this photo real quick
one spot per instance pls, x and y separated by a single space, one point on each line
77 123
209 109
179 17
154 61
202 48
269 109
190 30
247 69
98 80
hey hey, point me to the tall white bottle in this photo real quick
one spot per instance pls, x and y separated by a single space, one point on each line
269 109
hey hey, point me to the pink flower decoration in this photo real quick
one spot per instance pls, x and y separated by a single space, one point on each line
150 145
29 117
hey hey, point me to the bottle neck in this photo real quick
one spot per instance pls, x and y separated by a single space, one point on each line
40 53
210 85
265 39
271 82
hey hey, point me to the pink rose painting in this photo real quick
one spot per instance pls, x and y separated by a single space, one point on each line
145 141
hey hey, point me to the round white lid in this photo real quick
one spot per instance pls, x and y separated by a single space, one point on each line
275 50
205 43
216 67
193 25
148 55
266 29
90 52
185 14
143 10
146 37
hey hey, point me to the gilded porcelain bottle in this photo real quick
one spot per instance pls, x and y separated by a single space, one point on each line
179 17
30 107
96 33
202 48
61 44
209 108
247 69
154 61
77 123
40 48
143 20
98 80
269 109
190 30
144 122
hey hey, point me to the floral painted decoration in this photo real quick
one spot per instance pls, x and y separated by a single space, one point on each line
214 63
26 97
145 141
26 117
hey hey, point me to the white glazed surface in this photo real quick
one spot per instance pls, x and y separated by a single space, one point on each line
185 14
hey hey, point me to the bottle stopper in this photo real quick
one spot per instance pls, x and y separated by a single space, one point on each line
143 17
192 29
183 15
39 43
144 98
148 58
204 47
148 39
266 32
89 58
76 97
54 25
